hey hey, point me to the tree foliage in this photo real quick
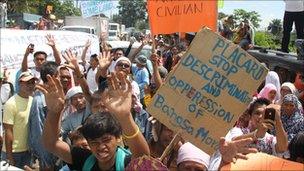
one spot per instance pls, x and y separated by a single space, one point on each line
60 8
221 15
275 26
241 15
131 12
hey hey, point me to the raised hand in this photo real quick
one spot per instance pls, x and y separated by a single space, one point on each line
232 150
117 98
71 60
154 59
54 95
29 49
87 44
105 59
50 40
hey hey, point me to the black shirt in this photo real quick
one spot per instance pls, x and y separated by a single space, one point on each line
80 155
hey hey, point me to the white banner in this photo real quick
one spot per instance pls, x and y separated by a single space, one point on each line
15 42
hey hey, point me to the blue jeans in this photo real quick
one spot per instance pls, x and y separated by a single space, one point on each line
21 158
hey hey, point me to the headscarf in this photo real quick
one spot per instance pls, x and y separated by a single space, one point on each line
189 152
122 59
265 91
291 98
136 93
73 91
144 163
292 124
291 86
273 78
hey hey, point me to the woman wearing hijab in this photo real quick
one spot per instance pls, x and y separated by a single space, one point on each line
269 92
273 78
292 119
192 158
289 88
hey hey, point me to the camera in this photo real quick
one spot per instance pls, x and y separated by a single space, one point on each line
269 116
31 48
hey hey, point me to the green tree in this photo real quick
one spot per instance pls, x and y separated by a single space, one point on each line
252 16
60 8
132 11
275 26
221 15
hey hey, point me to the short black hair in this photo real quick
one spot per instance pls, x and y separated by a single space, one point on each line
48 68
119 49
100 124
257 102
94 56
296 146
75 136
40 52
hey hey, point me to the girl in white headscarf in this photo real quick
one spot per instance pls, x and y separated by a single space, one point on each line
273 78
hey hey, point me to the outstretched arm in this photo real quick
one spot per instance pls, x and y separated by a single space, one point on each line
118 101
157 78
73 64
24 65
52 44
132 56
84 52
104 60
54 97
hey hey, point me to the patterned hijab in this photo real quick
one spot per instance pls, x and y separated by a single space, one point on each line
291 98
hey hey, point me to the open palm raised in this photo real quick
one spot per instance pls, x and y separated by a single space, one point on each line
117 98
54 95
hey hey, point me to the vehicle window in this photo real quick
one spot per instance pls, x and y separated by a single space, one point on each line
113 27
112 34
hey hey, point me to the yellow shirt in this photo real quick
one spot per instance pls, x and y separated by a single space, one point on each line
16 112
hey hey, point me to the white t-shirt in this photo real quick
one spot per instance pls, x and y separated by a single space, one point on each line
5 92
265 144
91 79
294 5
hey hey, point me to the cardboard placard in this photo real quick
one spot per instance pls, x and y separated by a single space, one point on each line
170 16
262 161
207 92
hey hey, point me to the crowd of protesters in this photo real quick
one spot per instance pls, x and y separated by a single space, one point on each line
91 115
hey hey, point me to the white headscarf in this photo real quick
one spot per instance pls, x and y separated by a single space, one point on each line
273 78
291 86
189 152
73 91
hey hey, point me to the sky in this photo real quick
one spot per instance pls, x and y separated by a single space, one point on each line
267 9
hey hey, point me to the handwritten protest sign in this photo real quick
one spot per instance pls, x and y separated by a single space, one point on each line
90 8
170 16
208 91
262 161
11 56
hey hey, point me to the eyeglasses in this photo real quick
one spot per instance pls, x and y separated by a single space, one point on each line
123 65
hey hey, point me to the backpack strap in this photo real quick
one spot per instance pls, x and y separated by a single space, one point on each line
121 154
89 163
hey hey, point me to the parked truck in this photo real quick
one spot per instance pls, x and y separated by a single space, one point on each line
93 25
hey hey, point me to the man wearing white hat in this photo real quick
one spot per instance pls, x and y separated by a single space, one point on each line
15 119
76 98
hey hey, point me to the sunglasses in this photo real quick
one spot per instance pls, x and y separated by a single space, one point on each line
123 65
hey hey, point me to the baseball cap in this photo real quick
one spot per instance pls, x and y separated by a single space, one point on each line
141 60
26 76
